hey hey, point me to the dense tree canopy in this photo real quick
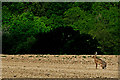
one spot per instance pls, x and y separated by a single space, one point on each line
60 28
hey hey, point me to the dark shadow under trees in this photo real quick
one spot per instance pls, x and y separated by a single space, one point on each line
64 40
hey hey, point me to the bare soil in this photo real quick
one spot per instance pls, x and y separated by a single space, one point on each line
57 66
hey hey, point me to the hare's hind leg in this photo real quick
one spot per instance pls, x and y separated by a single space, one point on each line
96 65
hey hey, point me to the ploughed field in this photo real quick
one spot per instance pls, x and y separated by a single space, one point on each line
57 66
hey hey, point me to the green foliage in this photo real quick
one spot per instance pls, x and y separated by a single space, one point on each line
89 56
106 30
28 25
72 15
56 55
21 22
30 56
3 56
24 46
6 15
78 19
84 56
58 8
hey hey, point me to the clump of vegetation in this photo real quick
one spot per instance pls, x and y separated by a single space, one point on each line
75 57
44 56
89 56
56 55
30 56
84 56
3 56
82 36
63 58
98 56
104 57
69 57
41 55
36 56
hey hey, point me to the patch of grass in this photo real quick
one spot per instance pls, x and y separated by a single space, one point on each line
63 58
44 56
75 57
104 57
56 56
67 57
3 56
89 56
30 56
84 56
98 56
36 56
41 56
71 58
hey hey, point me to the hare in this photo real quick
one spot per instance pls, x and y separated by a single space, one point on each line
99 62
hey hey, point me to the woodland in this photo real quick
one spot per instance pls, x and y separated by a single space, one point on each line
60 28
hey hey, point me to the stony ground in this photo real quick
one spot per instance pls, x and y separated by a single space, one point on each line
57 66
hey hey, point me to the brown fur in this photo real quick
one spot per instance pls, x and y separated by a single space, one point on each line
99 62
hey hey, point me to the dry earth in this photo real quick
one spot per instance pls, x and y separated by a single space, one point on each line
57 66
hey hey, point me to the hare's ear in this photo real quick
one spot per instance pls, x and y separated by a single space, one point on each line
95 53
